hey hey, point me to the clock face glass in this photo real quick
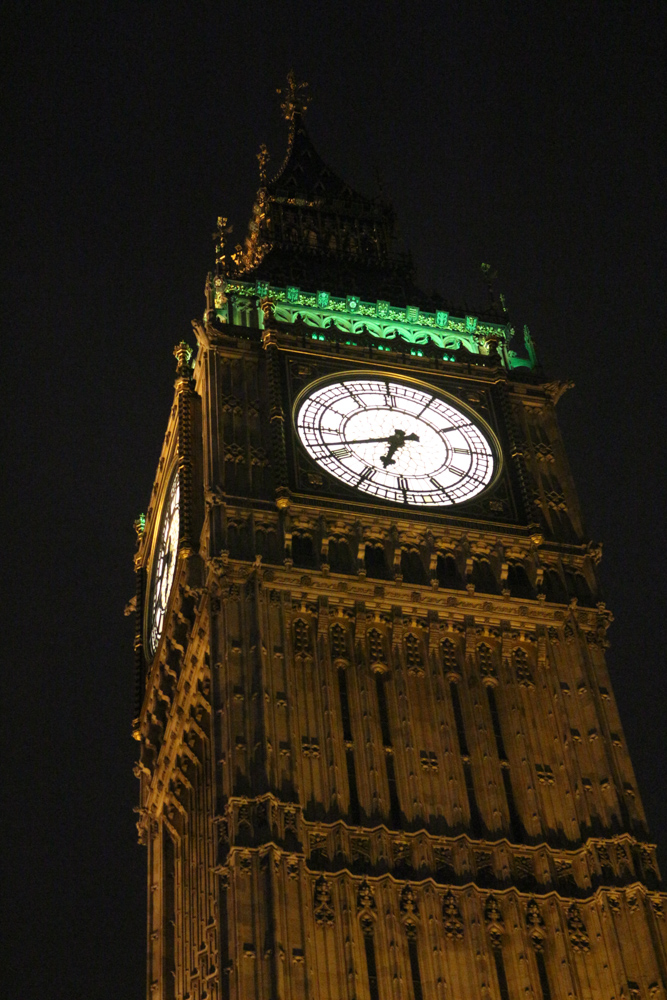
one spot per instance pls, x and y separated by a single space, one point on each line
164 565
396 440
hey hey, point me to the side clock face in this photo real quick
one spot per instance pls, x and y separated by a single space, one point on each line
399 441
164 566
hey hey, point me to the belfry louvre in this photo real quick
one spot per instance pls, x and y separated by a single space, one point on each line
379 752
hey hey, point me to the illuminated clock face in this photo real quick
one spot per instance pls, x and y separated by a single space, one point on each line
396 440
164 565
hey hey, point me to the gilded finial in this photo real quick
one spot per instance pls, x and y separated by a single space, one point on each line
183 354
222 231
296 99
263 159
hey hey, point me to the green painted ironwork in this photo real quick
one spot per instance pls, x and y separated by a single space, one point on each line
237 301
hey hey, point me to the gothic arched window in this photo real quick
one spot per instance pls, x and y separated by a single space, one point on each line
554 587
483 577
303 551
339 556
518 582
266 545
412 567
376 564
238 540
447 572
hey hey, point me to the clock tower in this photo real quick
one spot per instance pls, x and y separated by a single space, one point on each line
379 753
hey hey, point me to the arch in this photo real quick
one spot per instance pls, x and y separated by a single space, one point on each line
238 540
518 582
447 572
412 567
303 551
375 562
554 587
266 544
339 556
483 576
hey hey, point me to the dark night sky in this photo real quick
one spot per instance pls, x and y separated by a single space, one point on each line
531 136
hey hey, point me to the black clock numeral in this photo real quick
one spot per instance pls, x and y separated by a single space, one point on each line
457 472
368 473
454 427
341 452
461 451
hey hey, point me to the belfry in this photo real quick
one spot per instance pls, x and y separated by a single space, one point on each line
379 753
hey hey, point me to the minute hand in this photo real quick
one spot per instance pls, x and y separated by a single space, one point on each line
369 440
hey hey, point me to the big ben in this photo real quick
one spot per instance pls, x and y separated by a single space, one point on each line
380 756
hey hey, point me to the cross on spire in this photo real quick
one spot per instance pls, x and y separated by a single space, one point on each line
295 99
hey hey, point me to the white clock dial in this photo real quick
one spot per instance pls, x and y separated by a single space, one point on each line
399 441
164 565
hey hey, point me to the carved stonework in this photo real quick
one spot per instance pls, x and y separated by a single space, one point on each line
365 896
452 919
322 903
523 674
577 930
494 922
408 903
535 925
377 741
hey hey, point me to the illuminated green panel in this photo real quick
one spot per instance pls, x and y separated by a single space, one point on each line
351 316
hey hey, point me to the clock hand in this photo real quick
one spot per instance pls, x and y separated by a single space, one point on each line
405 437
396 441
367 440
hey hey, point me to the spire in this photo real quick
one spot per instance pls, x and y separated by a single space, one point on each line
310 228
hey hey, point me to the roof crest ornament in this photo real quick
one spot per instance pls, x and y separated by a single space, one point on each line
295 100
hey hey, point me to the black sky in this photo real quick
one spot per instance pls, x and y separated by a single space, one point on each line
530 136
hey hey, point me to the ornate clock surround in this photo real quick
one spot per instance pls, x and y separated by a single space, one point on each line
478 396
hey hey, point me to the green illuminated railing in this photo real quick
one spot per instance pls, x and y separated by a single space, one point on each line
237 301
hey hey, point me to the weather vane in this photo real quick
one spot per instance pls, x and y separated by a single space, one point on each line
296 99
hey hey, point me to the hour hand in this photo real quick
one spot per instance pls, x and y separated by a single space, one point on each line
396 441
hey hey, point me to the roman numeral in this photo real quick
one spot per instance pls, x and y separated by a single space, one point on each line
368 473
461 451
340 452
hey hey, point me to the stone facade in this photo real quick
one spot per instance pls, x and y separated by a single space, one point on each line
380 755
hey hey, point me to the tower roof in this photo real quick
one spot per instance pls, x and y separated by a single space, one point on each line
311 229
324 249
